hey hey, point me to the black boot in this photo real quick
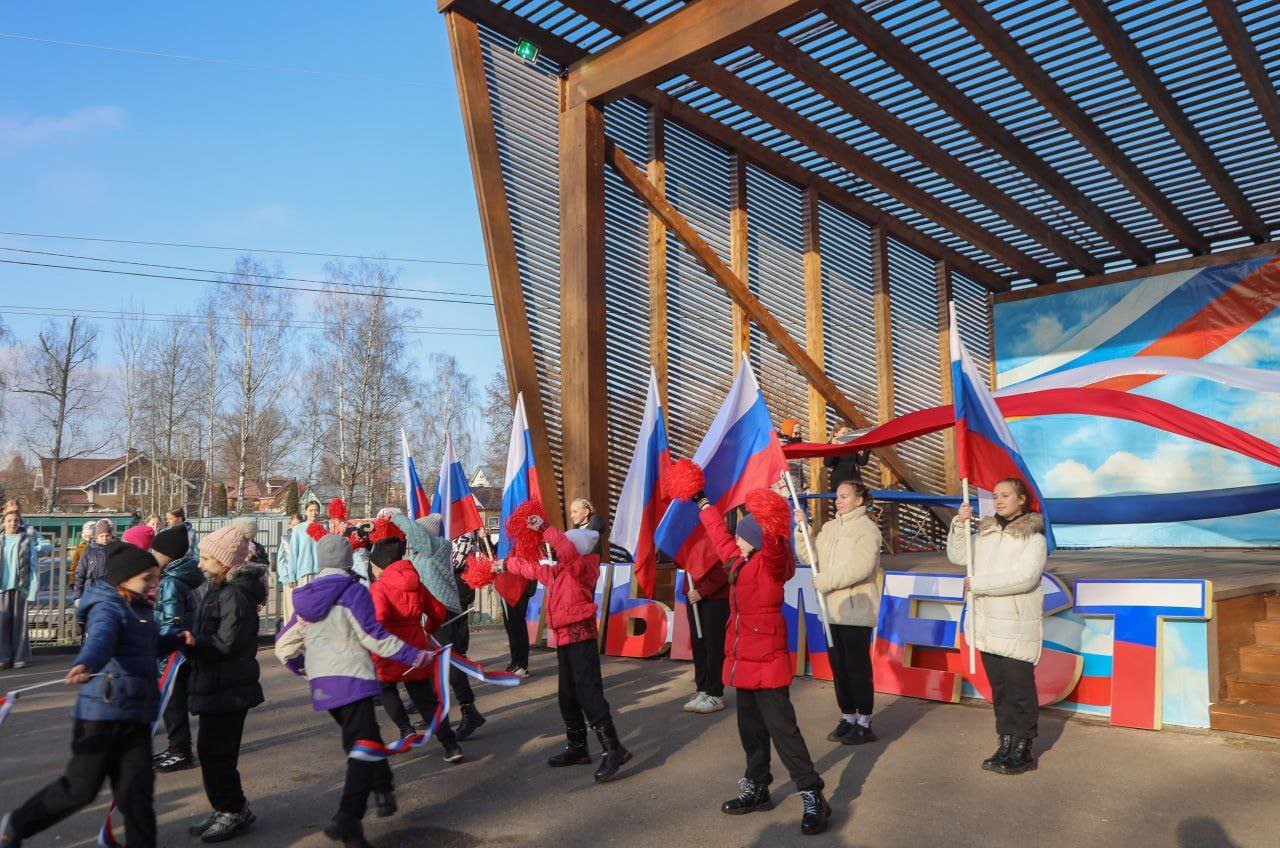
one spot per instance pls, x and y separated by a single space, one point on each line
1006 742
816 812
8 833
752 796
347 830
614 754
1019 759
575 748
384 804
471 721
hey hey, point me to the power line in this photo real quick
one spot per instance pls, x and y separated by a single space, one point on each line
210 61
486 298
251 285
243 249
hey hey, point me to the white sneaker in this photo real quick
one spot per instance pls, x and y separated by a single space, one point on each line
691 706
709 704
520 671
19 664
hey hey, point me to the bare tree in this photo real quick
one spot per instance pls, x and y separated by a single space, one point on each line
498 412
59 380
169 381
131 340
211 344
446 404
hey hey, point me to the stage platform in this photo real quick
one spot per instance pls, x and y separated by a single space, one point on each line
1234 571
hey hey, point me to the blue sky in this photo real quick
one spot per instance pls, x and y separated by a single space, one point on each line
136 147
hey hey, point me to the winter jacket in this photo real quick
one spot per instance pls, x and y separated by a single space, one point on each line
1008 603
299 560
712 585
22 574
596 523
571 588
433 557
845 468
122 643
848 573
755 644
224 667
75 561
178 595
409 612
329 639
93 567
193 539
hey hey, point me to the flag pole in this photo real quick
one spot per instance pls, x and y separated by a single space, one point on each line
813 560
968 573
488 549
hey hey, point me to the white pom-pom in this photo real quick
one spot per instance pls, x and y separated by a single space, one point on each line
247 526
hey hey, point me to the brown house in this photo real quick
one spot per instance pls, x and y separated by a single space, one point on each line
261 495
123 484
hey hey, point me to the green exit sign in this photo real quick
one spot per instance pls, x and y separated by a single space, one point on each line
528 51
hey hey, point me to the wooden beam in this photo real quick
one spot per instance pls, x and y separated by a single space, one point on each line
738 291
859 24
834 88
883 322
864 167
582 305
499 240
658 255
1254 251
945 292
555 48
1226 17
1126 54
738 224
815 343
697 33
988 32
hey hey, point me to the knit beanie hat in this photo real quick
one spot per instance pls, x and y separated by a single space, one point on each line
332 551
173 542
90 529
124 560
749 531
231 544
103 526
140 535
386 551
431 523
583 540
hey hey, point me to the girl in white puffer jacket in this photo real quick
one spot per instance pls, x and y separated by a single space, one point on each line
1004 619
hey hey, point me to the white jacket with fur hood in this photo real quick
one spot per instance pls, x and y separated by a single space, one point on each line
848 573
1008 604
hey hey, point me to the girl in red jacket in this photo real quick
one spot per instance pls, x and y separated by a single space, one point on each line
571 614
406 609
757 663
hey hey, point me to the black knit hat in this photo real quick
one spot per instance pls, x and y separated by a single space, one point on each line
387 551
173 542
125 560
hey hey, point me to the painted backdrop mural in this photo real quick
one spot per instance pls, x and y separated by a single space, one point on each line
1226 315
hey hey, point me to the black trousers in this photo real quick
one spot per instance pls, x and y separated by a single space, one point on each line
423 695
708 652
851 668
581 687
1013 694
100 750
764 716
177 721
218 746
358 722
459 633
518 632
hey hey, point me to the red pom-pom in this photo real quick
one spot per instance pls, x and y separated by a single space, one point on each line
384 528
770 509
525 541
357 541
316 530
478 572
683 479
338 509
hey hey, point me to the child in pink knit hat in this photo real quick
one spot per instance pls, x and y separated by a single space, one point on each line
140 535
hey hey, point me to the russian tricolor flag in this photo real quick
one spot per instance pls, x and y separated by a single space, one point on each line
739 454
642 502
986 452
522 475
415 495
459 514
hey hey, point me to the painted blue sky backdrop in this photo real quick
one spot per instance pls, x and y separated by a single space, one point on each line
137 147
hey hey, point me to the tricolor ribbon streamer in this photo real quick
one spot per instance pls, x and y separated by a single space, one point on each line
8 699
369 751
472 668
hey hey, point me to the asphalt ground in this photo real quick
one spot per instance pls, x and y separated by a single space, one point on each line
919 785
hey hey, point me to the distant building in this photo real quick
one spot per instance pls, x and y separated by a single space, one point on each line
122 483
261 495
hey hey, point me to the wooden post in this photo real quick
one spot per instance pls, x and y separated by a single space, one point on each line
658 255
815 345
991 338
582 307
884 365
942 279
738 256
499 241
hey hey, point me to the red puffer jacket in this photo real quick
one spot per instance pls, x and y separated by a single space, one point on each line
755 642
401 601
571 588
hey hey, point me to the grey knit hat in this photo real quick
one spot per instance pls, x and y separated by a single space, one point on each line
431 523
583 540
748 530
333 551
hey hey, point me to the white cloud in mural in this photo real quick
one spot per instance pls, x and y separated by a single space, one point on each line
1171 467
1044 332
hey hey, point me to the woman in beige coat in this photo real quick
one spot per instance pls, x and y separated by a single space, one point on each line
848 575
1005 618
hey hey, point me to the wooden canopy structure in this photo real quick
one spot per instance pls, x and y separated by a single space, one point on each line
675 185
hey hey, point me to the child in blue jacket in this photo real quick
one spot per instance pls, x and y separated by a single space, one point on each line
115 709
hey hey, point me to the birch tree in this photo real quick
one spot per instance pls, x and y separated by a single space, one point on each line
131 340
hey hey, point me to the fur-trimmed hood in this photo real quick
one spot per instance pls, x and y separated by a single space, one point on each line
1024 526
250 577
